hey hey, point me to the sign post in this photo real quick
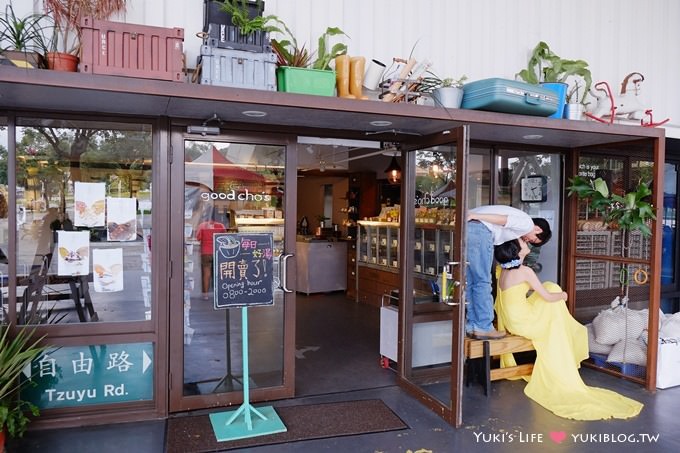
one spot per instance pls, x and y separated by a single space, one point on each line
244 276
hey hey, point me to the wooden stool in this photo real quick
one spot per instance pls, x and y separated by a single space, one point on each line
478 355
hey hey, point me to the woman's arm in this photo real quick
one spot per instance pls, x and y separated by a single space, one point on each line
535 284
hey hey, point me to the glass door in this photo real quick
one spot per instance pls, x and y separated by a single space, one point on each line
432 315
229 186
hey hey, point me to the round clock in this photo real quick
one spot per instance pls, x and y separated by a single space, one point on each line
533 189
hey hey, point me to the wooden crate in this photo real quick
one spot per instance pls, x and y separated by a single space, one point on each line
132 50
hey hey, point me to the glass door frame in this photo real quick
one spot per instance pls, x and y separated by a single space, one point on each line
458 137
177 401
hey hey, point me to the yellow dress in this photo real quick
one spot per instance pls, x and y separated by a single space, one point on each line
561 344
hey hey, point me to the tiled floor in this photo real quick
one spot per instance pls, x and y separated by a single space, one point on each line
338 361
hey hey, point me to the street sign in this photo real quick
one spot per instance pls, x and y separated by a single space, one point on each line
71 376
243 270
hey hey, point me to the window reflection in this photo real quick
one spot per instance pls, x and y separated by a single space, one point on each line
4 214
84 221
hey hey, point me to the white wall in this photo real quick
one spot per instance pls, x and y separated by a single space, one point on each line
479 38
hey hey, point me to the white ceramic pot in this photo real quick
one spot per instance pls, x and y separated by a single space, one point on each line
449 97
573 111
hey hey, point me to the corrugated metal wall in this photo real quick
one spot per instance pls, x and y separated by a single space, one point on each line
479 38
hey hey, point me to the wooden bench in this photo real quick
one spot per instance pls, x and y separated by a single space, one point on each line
478 355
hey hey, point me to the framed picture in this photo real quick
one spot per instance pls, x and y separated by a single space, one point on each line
534 189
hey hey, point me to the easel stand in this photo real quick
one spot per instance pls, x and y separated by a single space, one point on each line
228 425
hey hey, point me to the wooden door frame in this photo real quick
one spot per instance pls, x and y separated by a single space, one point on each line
458 135
177 401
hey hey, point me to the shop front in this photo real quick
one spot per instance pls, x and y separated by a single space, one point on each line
115 189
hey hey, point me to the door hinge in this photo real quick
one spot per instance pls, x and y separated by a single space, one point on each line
170 152
170 270
170 381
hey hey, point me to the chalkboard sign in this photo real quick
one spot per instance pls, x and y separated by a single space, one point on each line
243 269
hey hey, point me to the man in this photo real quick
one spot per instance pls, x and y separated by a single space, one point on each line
488 226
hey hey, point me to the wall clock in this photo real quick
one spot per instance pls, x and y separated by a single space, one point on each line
534 189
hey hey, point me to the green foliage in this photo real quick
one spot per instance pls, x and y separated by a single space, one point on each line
239 11
16 353
432 82
290 53
25 34
630 211
546 66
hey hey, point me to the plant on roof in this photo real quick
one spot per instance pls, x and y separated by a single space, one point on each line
290 53
24 34
546 66
240 17
67 15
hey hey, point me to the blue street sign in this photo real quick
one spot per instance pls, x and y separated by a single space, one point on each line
72 376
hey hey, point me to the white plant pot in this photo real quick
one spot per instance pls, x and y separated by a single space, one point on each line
573 111
449 97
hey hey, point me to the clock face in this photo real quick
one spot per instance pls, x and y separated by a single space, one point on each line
533 189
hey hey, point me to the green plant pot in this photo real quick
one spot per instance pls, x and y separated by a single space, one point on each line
305 81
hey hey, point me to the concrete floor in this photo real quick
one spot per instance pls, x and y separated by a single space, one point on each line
345 367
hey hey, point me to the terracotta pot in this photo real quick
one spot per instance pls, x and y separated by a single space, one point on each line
2 440
59 61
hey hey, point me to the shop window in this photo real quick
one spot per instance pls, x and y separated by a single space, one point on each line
83 231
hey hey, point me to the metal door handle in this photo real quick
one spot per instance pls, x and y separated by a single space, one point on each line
282 272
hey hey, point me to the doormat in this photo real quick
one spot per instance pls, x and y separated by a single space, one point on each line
313 421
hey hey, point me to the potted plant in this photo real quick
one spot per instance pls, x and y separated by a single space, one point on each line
447 92
302 71
16 352
249 30
629 212
22 39
66 14
547 68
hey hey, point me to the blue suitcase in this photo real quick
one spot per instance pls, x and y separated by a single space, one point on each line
509 96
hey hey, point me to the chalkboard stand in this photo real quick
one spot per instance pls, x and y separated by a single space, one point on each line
228 425
227 382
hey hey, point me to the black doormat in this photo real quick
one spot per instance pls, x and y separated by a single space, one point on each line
314 421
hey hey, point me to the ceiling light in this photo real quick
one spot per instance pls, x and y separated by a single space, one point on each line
380 123
532 137
393 171
254 113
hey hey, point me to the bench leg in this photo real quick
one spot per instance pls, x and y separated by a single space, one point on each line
487 367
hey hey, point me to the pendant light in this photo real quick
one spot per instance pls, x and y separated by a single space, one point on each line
393 171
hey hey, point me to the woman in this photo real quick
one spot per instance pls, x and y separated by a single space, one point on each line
561 342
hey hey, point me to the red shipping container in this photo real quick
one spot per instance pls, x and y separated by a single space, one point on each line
131 50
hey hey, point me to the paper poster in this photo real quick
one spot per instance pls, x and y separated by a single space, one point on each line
121 219
74 253
107 266
89 204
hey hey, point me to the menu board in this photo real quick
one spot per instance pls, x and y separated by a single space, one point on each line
243 269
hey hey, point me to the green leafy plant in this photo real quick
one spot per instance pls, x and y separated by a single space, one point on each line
240 17
24 34
431 82
630 211
290 53
16 352
546 66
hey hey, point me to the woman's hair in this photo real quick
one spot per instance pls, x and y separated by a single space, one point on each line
546 234
507 254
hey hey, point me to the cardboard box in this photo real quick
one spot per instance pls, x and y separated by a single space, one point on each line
668 363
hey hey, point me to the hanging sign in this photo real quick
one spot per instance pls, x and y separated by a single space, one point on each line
243 269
